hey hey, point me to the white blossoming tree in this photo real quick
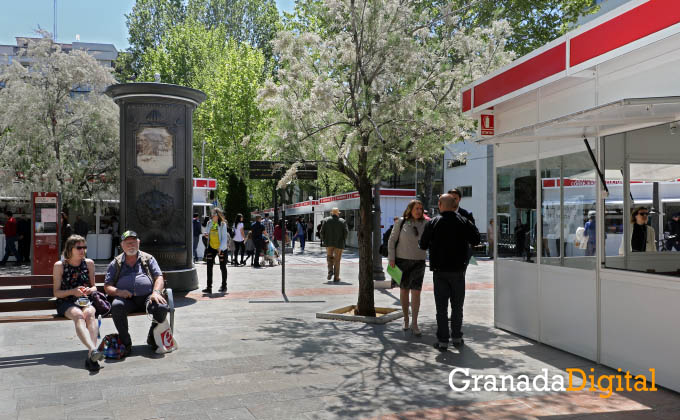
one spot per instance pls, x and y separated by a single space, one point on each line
379 83
58 132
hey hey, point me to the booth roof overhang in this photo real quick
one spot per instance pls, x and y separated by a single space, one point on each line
614 117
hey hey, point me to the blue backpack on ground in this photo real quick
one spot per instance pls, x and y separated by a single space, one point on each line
112 347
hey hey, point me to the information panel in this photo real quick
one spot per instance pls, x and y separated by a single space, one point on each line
45 231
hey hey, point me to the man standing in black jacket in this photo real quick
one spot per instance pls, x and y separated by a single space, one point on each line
448 237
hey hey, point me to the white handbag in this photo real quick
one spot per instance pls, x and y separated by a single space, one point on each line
165 341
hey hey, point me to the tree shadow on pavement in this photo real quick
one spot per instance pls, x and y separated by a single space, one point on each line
376 365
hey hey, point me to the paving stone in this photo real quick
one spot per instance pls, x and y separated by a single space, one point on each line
245 360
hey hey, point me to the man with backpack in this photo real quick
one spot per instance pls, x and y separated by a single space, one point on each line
135 281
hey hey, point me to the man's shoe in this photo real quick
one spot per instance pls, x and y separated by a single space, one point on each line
336 281
457 342
330 276
442 347
207 290
91 365
223 289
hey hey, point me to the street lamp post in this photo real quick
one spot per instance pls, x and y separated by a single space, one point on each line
378 274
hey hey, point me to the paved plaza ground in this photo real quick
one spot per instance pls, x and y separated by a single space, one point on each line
249 354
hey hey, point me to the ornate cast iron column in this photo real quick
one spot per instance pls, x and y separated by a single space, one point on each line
156 173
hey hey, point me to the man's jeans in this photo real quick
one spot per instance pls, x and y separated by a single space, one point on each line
196 239
301 237
449 286
11 248
120 308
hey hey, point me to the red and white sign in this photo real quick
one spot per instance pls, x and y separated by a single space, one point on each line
486 124
205 183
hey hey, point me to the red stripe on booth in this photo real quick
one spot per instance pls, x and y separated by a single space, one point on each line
545 64
635 24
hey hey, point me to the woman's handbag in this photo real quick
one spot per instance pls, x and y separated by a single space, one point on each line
101 305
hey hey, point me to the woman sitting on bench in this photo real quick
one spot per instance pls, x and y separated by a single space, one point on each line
73 281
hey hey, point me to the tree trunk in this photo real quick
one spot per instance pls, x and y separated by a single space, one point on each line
365 302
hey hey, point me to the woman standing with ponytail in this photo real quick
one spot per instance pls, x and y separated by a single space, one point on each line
218 240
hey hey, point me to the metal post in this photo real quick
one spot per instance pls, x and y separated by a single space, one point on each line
378 274
284 231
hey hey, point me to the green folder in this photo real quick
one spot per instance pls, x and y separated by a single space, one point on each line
395 272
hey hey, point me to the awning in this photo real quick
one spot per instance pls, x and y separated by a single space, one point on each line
615 117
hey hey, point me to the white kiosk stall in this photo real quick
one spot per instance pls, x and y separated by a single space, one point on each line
202 203
572 270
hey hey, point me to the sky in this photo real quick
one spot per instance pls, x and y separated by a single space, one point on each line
100 21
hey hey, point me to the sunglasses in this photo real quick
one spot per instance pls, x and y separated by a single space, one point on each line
643 213
81 247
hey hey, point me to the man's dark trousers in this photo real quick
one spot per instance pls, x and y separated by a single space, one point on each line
120 308
449 286
259 246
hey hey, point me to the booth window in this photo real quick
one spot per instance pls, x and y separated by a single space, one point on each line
642 171
466 191
350 219
516 212
568 193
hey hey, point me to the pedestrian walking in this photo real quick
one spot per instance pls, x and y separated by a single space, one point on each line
334 234
197 231
11 237
403 251
257 229
218 240
268 226
239 238
250 249
448 238
300 234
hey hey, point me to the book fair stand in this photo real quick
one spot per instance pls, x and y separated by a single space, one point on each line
586 186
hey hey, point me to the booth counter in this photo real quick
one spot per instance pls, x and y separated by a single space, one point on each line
587 180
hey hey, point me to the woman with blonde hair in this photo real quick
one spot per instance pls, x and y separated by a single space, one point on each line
218 240
72 283
403 251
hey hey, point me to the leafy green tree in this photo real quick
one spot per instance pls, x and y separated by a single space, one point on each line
147 25
60 132
228 125
246 21
377 85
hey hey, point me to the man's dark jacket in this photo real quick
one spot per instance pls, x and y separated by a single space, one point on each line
334 232
448 236
257 229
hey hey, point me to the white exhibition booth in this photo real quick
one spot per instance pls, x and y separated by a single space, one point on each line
393 202
563 274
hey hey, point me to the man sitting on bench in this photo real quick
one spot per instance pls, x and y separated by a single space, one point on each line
135 280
